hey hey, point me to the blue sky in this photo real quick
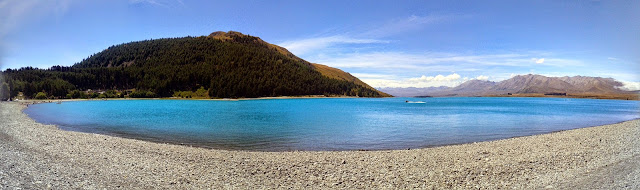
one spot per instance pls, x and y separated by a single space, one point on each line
385 43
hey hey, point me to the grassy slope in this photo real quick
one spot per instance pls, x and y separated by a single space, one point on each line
335 73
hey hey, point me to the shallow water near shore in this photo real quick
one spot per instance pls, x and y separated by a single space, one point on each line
331 123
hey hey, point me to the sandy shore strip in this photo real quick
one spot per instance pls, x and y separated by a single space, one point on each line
37 156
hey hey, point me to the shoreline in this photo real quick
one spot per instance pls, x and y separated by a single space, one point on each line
628 96
40 156
37 101
631 96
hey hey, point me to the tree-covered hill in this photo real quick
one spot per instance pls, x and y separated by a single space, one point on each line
226 64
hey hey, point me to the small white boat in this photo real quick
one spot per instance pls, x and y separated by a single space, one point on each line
415 102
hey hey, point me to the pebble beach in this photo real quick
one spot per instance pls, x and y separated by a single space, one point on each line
38 156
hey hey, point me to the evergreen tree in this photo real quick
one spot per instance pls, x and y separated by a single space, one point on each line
4 92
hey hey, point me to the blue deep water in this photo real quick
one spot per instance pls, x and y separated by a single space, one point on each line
332 123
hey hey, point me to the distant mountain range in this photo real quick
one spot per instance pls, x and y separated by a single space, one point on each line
521 84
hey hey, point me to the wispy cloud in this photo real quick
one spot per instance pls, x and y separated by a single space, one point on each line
15 12
561 62
368 56
372 76
450 80
396 66
368 36
160 3
430 61
305 46
412 22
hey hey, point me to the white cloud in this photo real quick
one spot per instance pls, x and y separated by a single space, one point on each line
558 62
630 86
450 80
538 61
437 78
482 77
304 46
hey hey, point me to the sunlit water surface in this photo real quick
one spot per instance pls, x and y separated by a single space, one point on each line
332 123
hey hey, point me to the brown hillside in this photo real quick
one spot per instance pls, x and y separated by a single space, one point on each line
327 71
533 84
474 85
593 84
341 75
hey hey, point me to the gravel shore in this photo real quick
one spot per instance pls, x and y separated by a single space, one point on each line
37 156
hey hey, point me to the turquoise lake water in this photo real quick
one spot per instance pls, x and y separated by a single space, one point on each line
332 123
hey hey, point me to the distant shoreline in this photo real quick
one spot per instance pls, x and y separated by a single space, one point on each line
36 101
573 96
630 96
538 95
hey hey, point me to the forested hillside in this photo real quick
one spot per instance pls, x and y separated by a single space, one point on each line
227 65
